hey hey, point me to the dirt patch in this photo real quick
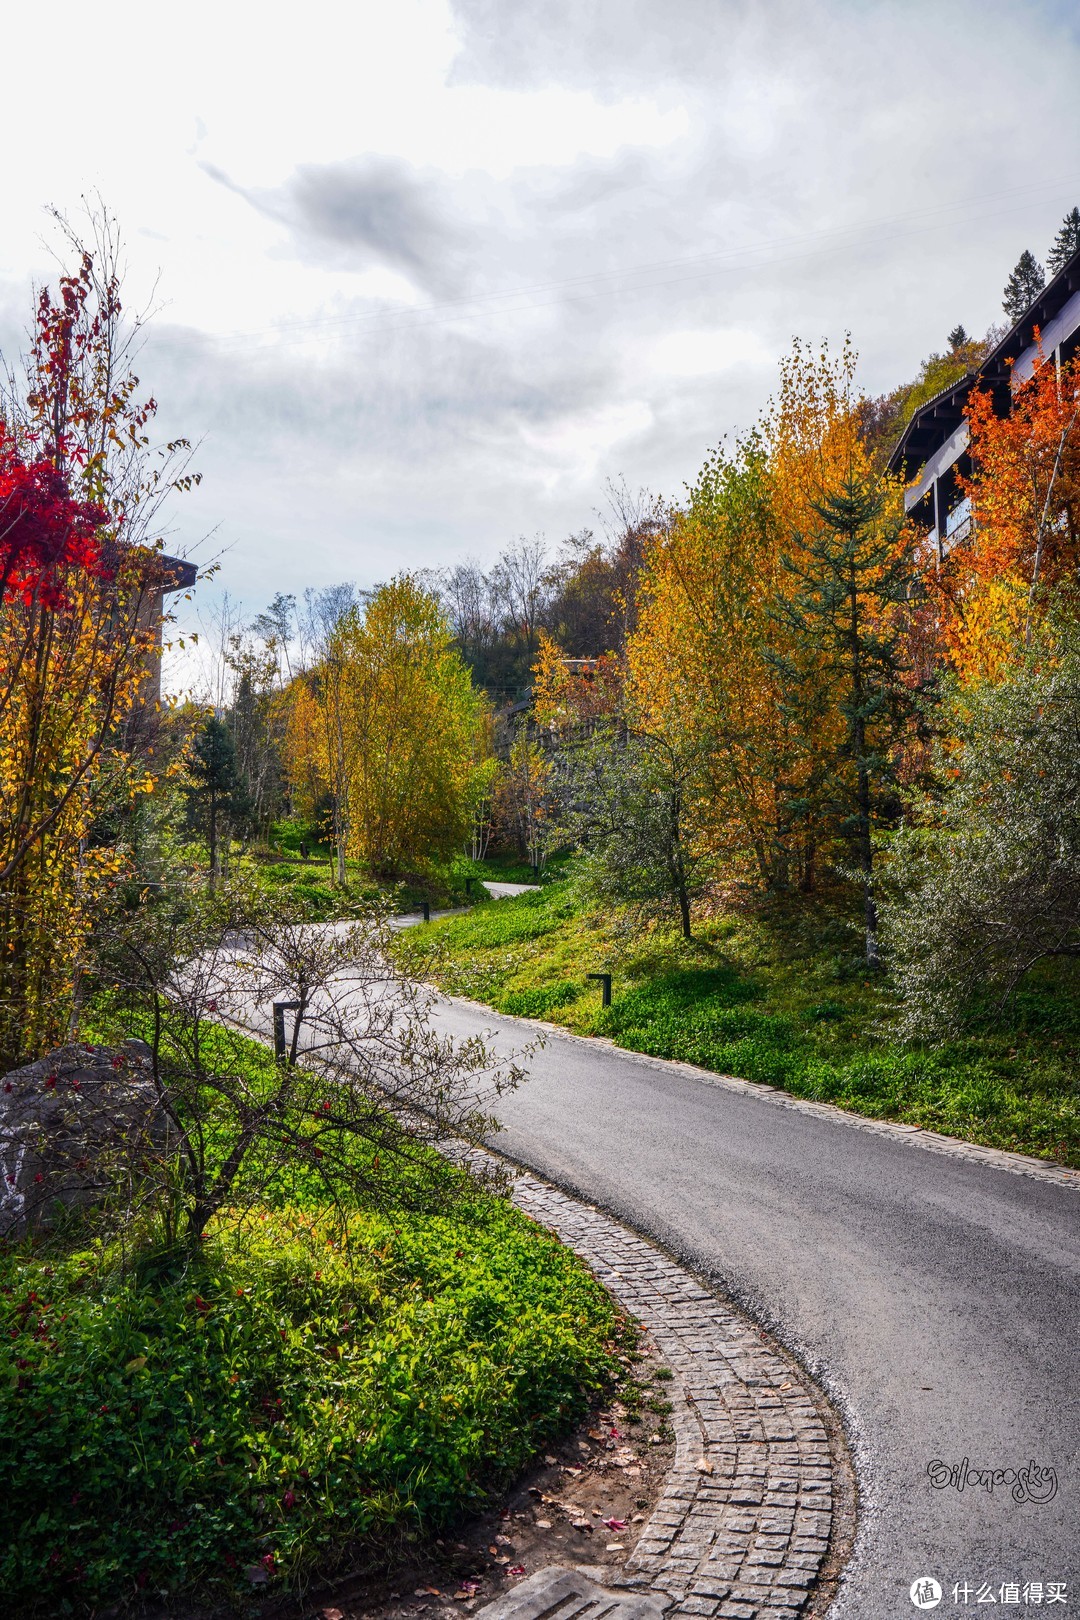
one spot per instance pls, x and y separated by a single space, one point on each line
585 1502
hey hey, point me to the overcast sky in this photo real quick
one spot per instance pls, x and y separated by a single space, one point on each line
432 270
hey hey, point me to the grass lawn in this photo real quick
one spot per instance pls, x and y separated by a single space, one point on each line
298 1397
775 996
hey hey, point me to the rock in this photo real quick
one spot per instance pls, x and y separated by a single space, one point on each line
73 1125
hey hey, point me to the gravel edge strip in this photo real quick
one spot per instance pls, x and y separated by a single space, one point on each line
755 1519
1017 1164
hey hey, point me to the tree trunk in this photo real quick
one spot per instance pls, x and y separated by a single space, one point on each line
858 731
866 858
684 912
212 840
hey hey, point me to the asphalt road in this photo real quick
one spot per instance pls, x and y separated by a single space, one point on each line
936 1300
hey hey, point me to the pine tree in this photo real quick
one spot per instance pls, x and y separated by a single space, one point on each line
1023 286
958 337
849 577
215 788
1066 242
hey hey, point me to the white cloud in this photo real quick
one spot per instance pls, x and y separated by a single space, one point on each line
432 271
702 353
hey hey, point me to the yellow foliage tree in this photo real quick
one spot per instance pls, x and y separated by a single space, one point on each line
81 584
706 665
390 723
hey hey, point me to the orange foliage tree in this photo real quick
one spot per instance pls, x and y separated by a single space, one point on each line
706 667
572 694
1021 553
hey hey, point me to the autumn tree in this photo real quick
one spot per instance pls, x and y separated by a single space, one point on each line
389 719
81 487
524 800
1020 555
315 702
695 672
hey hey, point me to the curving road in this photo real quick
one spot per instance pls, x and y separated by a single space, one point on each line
936 1298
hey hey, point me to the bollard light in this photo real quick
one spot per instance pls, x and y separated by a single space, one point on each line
280 1009
605 987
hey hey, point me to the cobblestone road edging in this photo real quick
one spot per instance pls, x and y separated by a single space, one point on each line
742 1529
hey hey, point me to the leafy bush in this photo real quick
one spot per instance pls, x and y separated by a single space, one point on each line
989 883
285 1401
538 1003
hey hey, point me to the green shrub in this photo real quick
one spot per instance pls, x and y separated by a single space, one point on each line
538 1003
288 1401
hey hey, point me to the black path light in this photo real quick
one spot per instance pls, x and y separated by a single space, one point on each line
425 907
280 1009
604 980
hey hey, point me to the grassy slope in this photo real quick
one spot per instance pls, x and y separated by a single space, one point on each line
284 1403
777 998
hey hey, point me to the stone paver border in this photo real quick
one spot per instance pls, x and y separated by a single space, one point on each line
1017 1164
747 1527
748 1517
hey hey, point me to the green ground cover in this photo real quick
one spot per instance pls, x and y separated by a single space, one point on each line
296 1396
772 995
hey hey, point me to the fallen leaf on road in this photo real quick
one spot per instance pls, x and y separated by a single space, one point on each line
705 1466
332 1614
516 1569
543 1524
615 1546
551 1461
615 1524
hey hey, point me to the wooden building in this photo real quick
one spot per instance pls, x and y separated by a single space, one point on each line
933 448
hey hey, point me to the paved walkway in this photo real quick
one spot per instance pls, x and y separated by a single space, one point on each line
744 1522
930 1287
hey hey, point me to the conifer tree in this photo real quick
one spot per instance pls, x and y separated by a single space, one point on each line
848 580
1023 286
215 789
1065 243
